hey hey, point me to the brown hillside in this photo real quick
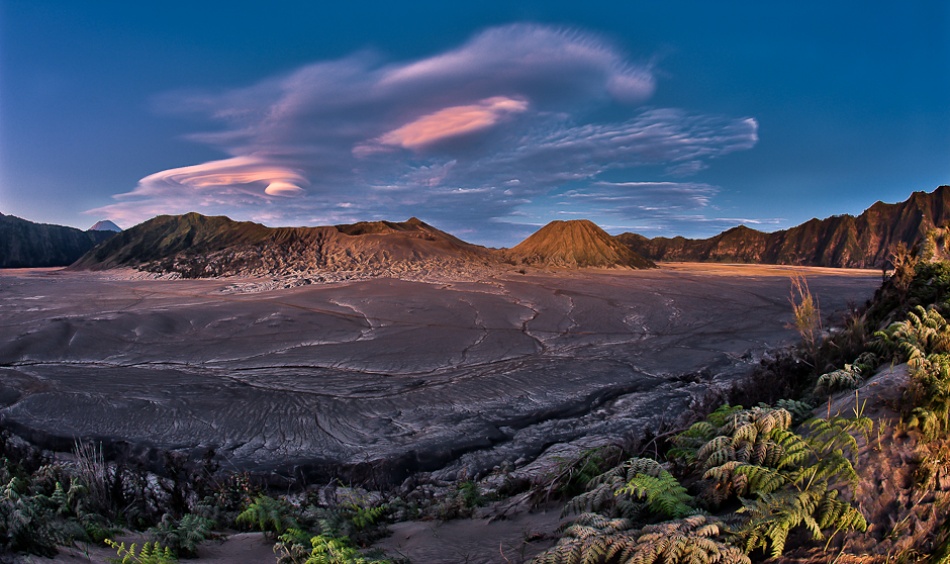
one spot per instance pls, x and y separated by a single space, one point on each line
576 244
197 246
865 241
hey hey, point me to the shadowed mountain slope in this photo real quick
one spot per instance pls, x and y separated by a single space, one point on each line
25 244
576 244
865 241
195 246
166 236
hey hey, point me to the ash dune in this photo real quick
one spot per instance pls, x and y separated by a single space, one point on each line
383 377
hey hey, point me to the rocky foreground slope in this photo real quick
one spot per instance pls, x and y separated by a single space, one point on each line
865 241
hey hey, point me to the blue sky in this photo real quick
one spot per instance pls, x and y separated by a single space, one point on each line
485 119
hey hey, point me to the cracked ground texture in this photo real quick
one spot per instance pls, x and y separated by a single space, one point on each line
385 375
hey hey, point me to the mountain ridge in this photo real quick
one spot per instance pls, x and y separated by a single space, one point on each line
862 241
27 244
196 246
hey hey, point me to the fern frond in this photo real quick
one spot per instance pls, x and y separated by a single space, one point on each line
760 479
716 452
847 378
745 433
664 494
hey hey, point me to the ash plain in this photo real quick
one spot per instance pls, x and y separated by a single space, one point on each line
377 379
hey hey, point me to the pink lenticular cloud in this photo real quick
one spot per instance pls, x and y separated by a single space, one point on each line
446 123
237 171
282 188
207 187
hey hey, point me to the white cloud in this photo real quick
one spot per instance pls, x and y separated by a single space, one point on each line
465 138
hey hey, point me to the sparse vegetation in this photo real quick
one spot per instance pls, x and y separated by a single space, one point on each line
766 480
807 315
150 553
763 472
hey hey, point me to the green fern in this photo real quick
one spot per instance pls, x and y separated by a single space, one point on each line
689 540
594 539
591 538
930 390
573 475
799 492
664 495
601 496
293 546
774 515
364 517
32 521
847 378
332 550
150 553
924 332
867 362
747 435
268 515
784 481
184 536
687 444
837 433
800 409
923 339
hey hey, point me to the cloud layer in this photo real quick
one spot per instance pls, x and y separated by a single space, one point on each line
493 133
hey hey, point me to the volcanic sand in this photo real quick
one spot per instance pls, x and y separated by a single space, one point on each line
379 378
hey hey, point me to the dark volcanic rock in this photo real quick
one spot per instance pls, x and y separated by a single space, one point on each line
25 244
573 244
865 241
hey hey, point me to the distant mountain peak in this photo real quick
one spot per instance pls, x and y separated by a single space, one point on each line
105 225
576 243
